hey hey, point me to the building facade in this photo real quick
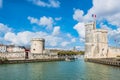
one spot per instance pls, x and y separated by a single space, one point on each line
12 48
96 43
3 48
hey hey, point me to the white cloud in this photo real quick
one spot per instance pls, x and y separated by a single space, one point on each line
56 30
65 43
46 21
32 20
81 48
23 38
78 15
81 17
58 18
80 27
104 26
1 3
69 35
82 39
115 33
43 21
4 28
51 41
114 37
73 40
108 10
50 3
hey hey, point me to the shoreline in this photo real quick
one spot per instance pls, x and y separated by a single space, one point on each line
34 60
105 61
31 61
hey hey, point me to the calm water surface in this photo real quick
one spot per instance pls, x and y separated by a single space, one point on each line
74 70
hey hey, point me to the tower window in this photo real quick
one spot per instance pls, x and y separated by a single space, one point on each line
34 49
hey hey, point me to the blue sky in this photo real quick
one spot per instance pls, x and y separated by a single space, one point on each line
60 22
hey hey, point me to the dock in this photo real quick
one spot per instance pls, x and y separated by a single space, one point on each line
106 61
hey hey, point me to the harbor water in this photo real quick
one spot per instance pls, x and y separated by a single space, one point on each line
61 70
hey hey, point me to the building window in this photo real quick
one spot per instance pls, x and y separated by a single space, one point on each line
33 49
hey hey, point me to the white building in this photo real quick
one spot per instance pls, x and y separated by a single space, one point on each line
37 46
12 48
3 48
18 49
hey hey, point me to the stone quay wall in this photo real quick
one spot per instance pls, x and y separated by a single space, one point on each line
106 61
31 61
13 56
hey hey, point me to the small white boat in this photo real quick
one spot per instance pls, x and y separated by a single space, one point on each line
67 59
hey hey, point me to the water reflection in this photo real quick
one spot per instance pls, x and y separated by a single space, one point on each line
75 70
98 71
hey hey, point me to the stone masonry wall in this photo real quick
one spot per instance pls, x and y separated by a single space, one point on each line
113 52
13 56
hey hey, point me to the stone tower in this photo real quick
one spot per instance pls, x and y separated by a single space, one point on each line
96 45
89 38
102 43
37 46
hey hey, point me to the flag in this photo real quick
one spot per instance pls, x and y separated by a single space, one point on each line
93 15
115 40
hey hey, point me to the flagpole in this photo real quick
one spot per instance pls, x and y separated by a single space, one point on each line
115 44
94 20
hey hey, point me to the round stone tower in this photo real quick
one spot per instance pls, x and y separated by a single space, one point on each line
37 45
